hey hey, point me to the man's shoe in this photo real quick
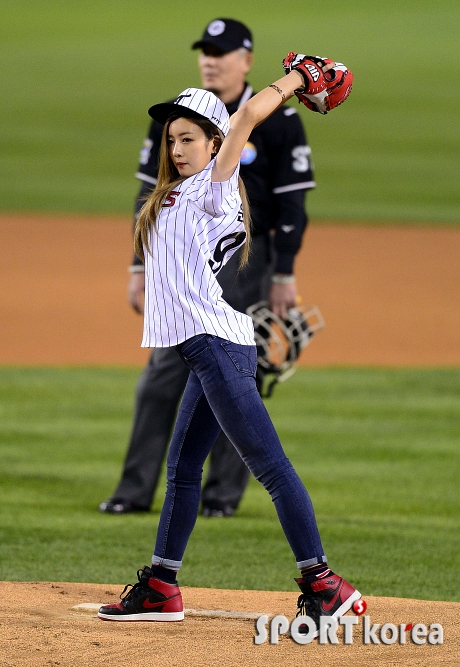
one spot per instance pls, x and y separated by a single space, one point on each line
148 600
218 511
120 506
328 595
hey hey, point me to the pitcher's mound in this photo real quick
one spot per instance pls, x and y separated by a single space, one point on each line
55 624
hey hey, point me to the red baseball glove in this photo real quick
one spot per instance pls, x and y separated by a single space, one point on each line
323 91
339 81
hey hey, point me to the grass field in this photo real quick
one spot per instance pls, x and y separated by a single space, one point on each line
377 449
78 77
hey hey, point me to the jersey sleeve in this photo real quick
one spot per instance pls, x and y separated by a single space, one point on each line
213 197
291 222
147 171
292 176
148 158
292 165
144 190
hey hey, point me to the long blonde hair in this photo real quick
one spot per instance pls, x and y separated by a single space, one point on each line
168 179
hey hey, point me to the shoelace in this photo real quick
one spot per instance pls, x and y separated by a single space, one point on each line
135 589
307 606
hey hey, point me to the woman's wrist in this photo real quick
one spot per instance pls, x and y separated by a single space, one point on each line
283 278
303 83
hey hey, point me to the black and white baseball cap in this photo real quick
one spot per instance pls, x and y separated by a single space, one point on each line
194 103
226 35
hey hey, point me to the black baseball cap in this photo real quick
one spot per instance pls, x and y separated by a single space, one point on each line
226 35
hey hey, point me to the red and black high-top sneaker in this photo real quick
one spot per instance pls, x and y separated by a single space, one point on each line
328 595
148 600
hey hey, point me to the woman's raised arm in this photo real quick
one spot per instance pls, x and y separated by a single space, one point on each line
319 83
249 115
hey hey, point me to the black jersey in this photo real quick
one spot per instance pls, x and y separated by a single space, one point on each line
276 168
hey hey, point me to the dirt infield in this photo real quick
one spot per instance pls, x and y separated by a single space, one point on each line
39 627
389 295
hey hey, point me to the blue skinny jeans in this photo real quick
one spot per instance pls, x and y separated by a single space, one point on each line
220 394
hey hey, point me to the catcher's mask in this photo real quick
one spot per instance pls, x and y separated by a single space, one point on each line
279 342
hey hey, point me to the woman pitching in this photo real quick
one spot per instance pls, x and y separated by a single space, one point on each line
192 223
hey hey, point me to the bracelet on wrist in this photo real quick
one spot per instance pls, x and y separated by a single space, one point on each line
282 280
136 268
278 90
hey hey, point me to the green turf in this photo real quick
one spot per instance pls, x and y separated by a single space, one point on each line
377 449
78 77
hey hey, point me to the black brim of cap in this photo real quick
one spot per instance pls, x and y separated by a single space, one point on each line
161 112
220 44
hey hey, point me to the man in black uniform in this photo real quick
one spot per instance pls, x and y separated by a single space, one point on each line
277 171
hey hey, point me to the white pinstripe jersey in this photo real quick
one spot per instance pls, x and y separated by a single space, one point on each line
198 229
